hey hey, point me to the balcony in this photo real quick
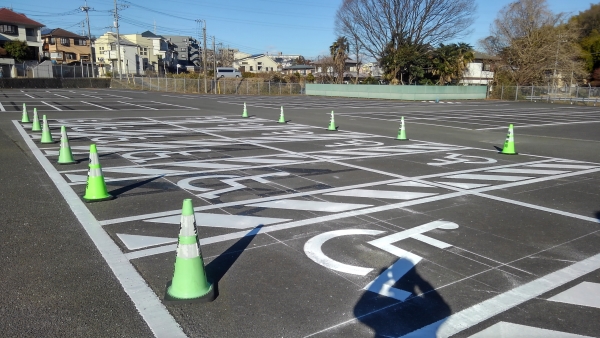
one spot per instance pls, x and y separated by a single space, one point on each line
32 38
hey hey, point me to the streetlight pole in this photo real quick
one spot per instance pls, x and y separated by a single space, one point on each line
118 42
86 9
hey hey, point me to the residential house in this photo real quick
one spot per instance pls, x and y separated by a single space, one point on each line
188 49
107 54
301 69
325 67
480 70
16 26
257 63
371 69
284 61
63 46
166 53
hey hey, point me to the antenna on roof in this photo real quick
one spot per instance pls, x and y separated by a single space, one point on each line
155 27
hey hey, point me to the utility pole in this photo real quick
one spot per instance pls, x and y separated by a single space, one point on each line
118 41
214 62
86 9
204 56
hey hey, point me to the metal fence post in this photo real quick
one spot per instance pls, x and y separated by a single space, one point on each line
517 92
576 94
502 93
198 84
531 97
279 88
269 87
184 85
142 83
246 87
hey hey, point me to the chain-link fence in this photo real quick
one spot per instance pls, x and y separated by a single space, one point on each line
210 86
551 94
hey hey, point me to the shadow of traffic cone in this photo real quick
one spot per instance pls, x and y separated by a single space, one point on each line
281 117
245 112
25 118
402 131
509 144
95 190
36 121
332 126
46 134
65 156
189 283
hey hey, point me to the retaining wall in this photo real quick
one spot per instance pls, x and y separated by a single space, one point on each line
399 92
54 83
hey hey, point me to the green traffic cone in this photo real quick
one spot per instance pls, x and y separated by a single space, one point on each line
402 131
46 134
95 190
65 156
36 121
281 118
25 118
189 283
332 126
245 113
509 144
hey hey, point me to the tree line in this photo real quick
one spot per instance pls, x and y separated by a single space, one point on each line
413 41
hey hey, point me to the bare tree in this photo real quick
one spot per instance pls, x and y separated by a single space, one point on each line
420 22
535 45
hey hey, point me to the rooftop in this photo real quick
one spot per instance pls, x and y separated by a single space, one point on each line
8 16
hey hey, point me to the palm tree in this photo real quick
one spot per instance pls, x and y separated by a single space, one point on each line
339 51
450 61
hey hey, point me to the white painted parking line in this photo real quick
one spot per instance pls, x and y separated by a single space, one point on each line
30 96
510 330
526 171
584 294
489 177
136 242
95 97
561 166
309 205
175 105
62 96
2 107
478 313
48 104
91 104
384 194
137 105
222 221
464 185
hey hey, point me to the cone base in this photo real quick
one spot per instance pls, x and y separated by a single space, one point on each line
91 200
334 129
68 162
503 153
27 122
38 130
47 142
281 122
209 296
401 139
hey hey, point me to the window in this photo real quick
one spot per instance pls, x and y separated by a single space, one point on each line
80 42
244 63
259 67
64 41
29 31
52 41
85 57
70 56
101 48
259 63
183 49
251 68
9 29
487 67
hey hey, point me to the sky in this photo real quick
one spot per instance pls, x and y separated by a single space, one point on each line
304 27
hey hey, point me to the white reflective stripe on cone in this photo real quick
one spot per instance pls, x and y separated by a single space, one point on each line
188 226
94 172
94 159
188 250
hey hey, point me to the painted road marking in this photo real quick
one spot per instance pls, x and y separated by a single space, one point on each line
510 330
309 205
141 171
96 97
487 309
137 105
174 105
135 242
222 221
411 184
527 171
464 185
49 105
92 104
585 294
2 107
384 283
561 166
62 96
385 194
154 313
489 177
313 249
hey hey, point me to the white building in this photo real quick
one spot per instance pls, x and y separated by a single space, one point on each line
257 63
479 71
